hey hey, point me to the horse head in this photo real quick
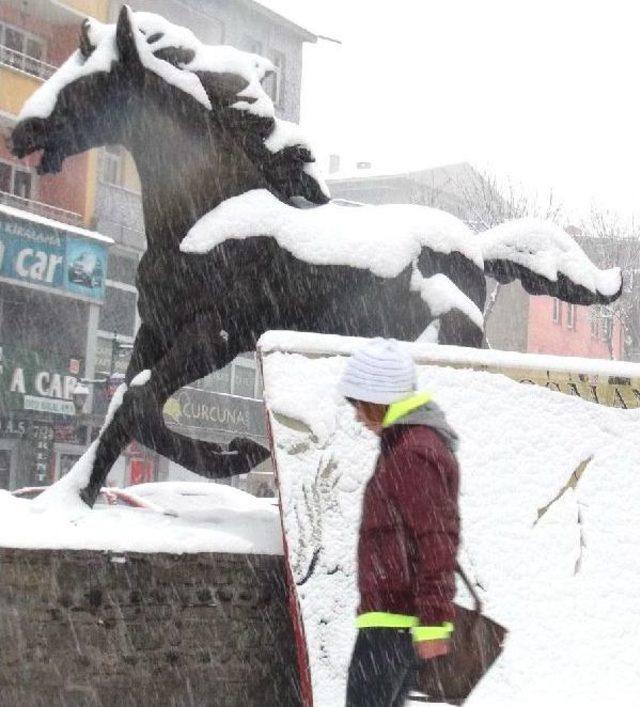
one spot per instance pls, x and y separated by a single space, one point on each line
156 89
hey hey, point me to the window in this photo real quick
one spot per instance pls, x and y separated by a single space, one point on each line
244 381
26 322
16 180
219 381
557 311
122 268
606 327
274 83
23 50
5 177
571 316
118 313
595 323
112 165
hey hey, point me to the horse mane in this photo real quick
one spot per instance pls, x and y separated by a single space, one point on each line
231 80
288 170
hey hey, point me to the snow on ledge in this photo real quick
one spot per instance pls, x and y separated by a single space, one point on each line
181 517
425 353
554 554
58 225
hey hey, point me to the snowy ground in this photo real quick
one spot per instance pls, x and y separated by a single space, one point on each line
565 583
185 517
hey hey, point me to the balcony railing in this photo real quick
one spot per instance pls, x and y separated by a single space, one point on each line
23 62
37 207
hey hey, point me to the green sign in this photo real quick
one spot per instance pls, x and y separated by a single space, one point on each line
31 380
39 254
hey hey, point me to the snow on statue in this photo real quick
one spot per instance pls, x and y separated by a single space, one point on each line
242 236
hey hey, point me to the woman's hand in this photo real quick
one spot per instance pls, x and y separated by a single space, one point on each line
432 649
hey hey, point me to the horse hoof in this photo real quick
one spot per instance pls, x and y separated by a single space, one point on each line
88 497
250 453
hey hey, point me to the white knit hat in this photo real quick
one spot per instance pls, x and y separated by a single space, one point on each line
380 372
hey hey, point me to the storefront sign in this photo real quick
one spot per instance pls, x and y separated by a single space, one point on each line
37 253
31 380
199 409
57 407
611 391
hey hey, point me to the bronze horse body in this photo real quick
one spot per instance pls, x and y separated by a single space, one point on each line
199 311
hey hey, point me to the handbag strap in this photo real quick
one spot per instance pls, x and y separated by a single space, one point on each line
470 587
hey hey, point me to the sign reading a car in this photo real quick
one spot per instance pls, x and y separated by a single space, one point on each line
38 254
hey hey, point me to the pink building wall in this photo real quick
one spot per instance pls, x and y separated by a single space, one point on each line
549 337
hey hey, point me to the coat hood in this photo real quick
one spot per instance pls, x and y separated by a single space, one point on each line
430 414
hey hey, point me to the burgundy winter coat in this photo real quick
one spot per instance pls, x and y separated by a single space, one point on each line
410 524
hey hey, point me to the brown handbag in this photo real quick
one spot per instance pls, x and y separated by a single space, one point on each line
475 644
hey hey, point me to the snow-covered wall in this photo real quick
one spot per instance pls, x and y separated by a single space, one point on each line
550 486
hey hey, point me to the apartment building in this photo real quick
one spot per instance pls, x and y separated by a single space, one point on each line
53 263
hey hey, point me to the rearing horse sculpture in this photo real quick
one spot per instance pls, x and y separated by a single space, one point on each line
241 239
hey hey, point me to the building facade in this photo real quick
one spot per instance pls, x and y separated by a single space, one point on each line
68 307
455 188
53 263
521 322
555 327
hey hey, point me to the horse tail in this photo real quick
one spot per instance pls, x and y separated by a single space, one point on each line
547 261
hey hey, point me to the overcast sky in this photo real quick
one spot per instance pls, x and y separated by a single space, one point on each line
542 91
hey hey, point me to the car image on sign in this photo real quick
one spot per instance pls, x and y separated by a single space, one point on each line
86 270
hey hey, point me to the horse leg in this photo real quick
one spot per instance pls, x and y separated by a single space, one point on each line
199 349
196 455
191 357
114 436
456 329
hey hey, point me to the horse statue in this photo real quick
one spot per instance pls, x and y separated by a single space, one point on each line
242 236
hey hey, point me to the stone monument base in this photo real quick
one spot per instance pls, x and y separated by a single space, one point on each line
130 629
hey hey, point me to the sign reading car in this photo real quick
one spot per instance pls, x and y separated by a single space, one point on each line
40 254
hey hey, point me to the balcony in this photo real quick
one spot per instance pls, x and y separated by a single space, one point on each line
27 64
40 209
119 215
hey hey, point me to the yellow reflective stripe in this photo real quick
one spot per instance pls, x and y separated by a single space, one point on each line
404 407
382 619
432 633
